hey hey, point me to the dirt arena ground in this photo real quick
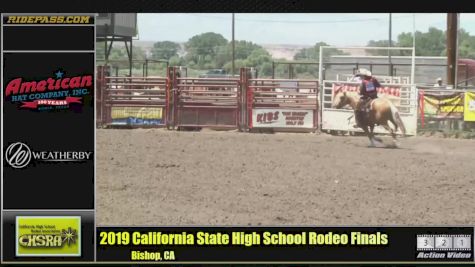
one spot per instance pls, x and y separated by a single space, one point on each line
160 177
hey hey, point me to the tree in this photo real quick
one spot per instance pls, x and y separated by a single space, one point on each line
405 40
100 53
165 50
137 53
240 63
466 45
243 50
434 42
203 48
430 43
258 58
313 53
176 61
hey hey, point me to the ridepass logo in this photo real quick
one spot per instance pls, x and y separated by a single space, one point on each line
56 92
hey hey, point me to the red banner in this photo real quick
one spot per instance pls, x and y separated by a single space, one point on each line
384 90
51 102
391 93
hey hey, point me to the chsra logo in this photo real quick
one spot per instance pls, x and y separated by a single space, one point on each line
67 236
56 92
18 155
48 236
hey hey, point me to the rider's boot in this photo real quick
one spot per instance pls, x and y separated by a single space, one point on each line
358 117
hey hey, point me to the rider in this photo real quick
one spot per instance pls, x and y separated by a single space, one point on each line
368 91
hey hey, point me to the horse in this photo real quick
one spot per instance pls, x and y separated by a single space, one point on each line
381 112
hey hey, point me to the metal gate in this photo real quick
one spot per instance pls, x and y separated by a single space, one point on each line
102 72
206 102
135 101
283 104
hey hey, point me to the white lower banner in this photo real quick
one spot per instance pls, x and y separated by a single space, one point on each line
282 118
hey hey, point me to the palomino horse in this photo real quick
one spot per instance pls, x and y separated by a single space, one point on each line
381 112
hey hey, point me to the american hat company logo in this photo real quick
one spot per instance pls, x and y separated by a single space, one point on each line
48 236
51 93
18 155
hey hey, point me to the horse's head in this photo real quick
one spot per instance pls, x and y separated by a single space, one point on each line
341 100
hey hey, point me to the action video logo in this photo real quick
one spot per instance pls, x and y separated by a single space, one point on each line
444 246
53 93
18 155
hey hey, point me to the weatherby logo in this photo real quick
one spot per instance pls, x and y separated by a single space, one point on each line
56 92
18 155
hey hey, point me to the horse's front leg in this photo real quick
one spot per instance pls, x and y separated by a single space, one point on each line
371 127
369 134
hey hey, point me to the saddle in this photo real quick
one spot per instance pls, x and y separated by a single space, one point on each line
365 104
362 110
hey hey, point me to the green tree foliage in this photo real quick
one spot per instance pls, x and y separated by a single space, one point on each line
165 50
211 50
242 50
313 53
466 45
100 53
256 57
430 43
202 49
138 53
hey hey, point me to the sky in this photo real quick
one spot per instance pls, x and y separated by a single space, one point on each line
348 29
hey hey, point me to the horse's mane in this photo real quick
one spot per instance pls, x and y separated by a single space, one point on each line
340 89
350 95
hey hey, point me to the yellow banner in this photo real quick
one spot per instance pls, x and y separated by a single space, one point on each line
444 106
48 236
469 111
136 112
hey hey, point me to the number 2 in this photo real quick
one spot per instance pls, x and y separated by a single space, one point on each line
104 238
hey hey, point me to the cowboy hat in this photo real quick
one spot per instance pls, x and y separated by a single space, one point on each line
363 72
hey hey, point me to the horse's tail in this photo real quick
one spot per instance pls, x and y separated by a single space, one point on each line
397 118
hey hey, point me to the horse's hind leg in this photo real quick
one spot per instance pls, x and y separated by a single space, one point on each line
394 123
393 133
